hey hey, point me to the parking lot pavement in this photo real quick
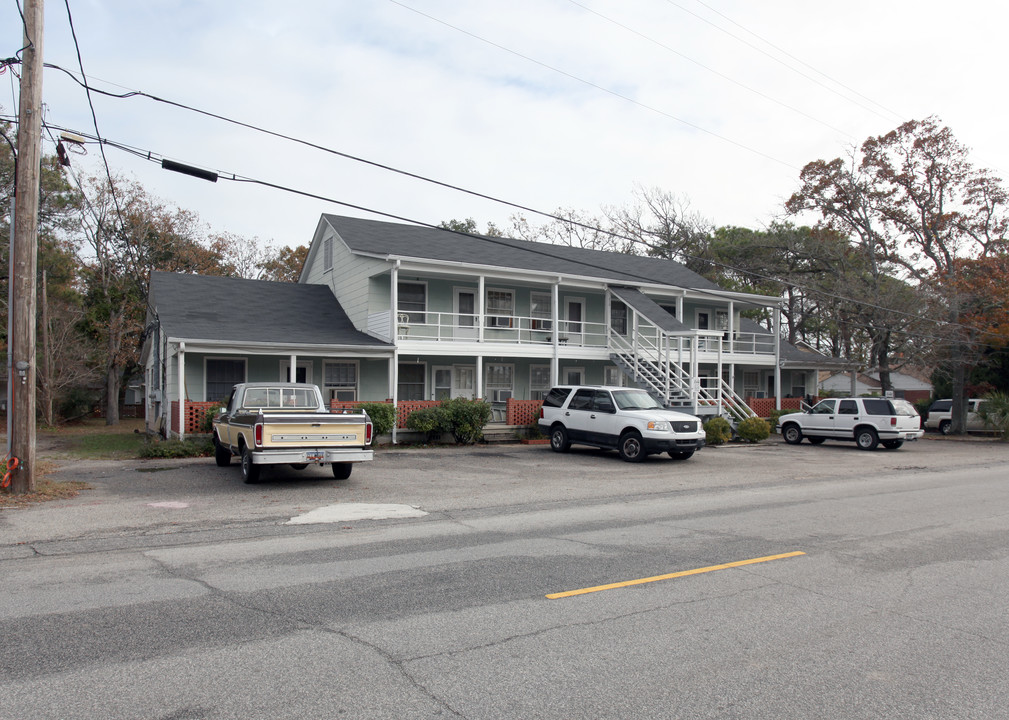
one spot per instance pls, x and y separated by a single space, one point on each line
159 499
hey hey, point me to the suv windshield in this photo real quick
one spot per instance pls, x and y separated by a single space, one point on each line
635 400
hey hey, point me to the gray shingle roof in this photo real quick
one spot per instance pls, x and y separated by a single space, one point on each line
386 238
198 307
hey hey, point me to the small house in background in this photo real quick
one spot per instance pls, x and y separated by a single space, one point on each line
905 386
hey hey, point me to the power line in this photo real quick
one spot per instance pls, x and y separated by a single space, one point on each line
710 69
786 65
601 88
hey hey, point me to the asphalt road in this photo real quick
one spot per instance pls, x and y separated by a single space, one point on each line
874 586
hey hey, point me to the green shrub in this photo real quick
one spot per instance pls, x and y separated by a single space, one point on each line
717 431
432 421
994 411
207 423
775 415
383 416
466 419
76 403
177 448
753 429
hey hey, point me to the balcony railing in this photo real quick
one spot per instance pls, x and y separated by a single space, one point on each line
513 329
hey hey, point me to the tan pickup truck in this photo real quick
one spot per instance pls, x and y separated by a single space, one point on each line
289 424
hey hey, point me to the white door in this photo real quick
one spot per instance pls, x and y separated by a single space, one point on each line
465 313
464 381
442 382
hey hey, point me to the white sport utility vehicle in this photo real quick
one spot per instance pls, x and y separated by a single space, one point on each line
867 421
627 419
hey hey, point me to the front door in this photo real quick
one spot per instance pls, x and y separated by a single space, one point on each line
452 381
465 313
574 311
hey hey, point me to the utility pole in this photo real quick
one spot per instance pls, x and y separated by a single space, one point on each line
25 250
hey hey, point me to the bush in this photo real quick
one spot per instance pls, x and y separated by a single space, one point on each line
207 423
177 448
76 403
431 420
775 415
994 411
717 431
383 416
466 419
753 429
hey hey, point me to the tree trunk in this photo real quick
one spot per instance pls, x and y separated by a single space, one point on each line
113 374
958 416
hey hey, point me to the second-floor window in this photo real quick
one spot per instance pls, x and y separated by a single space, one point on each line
618 317
412 301
500 308
539 310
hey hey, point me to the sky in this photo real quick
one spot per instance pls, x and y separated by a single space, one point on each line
546 104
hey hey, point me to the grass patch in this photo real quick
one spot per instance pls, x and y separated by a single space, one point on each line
200 447
106 446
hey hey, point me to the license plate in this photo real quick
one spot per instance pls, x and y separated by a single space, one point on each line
911 436
314 456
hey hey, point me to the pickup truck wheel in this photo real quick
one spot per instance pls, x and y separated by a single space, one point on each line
250 473
944 427
222 455
866 438
792 434
631 448
341 471
816 441
892 444
683 455
559 439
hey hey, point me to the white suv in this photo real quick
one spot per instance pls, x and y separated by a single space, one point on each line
627 419
867 421
940 415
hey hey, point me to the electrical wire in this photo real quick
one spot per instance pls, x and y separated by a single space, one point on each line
710 69
602 88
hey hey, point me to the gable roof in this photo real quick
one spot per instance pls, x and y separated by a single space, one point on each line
423 243
196 307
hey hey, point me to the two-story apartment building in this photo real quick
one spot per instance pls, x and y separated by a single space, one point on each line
416 313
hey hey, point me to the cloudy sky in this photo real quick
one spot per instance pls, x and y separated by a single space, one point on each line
542 103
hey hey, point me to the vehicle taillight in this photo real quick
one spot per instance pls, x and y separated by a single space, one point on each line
369 428
259 434
541 411
893 421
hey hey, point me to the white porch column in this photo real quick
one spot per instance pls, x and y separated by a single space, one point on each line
479 377
182 390
555 301
394 388
732 326
292 373
777 357
718 374
394 305
480 292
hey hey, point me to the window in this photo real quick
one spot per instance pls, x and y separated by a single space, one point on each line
340 380
500 382
411 382
751 384
722 320
327 254
824 407
222 374
618 317
556 397
848 407
277 398
612 375
877 407
539 310
500 308
582 400
412 301
573 376
539 381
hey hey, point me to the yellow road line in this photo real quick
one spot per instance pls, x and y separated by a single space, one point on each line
670 576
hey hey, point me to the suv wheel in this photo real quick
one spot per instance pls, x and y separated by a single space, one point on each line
866 438
559 439
792 434
631 447
945 426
